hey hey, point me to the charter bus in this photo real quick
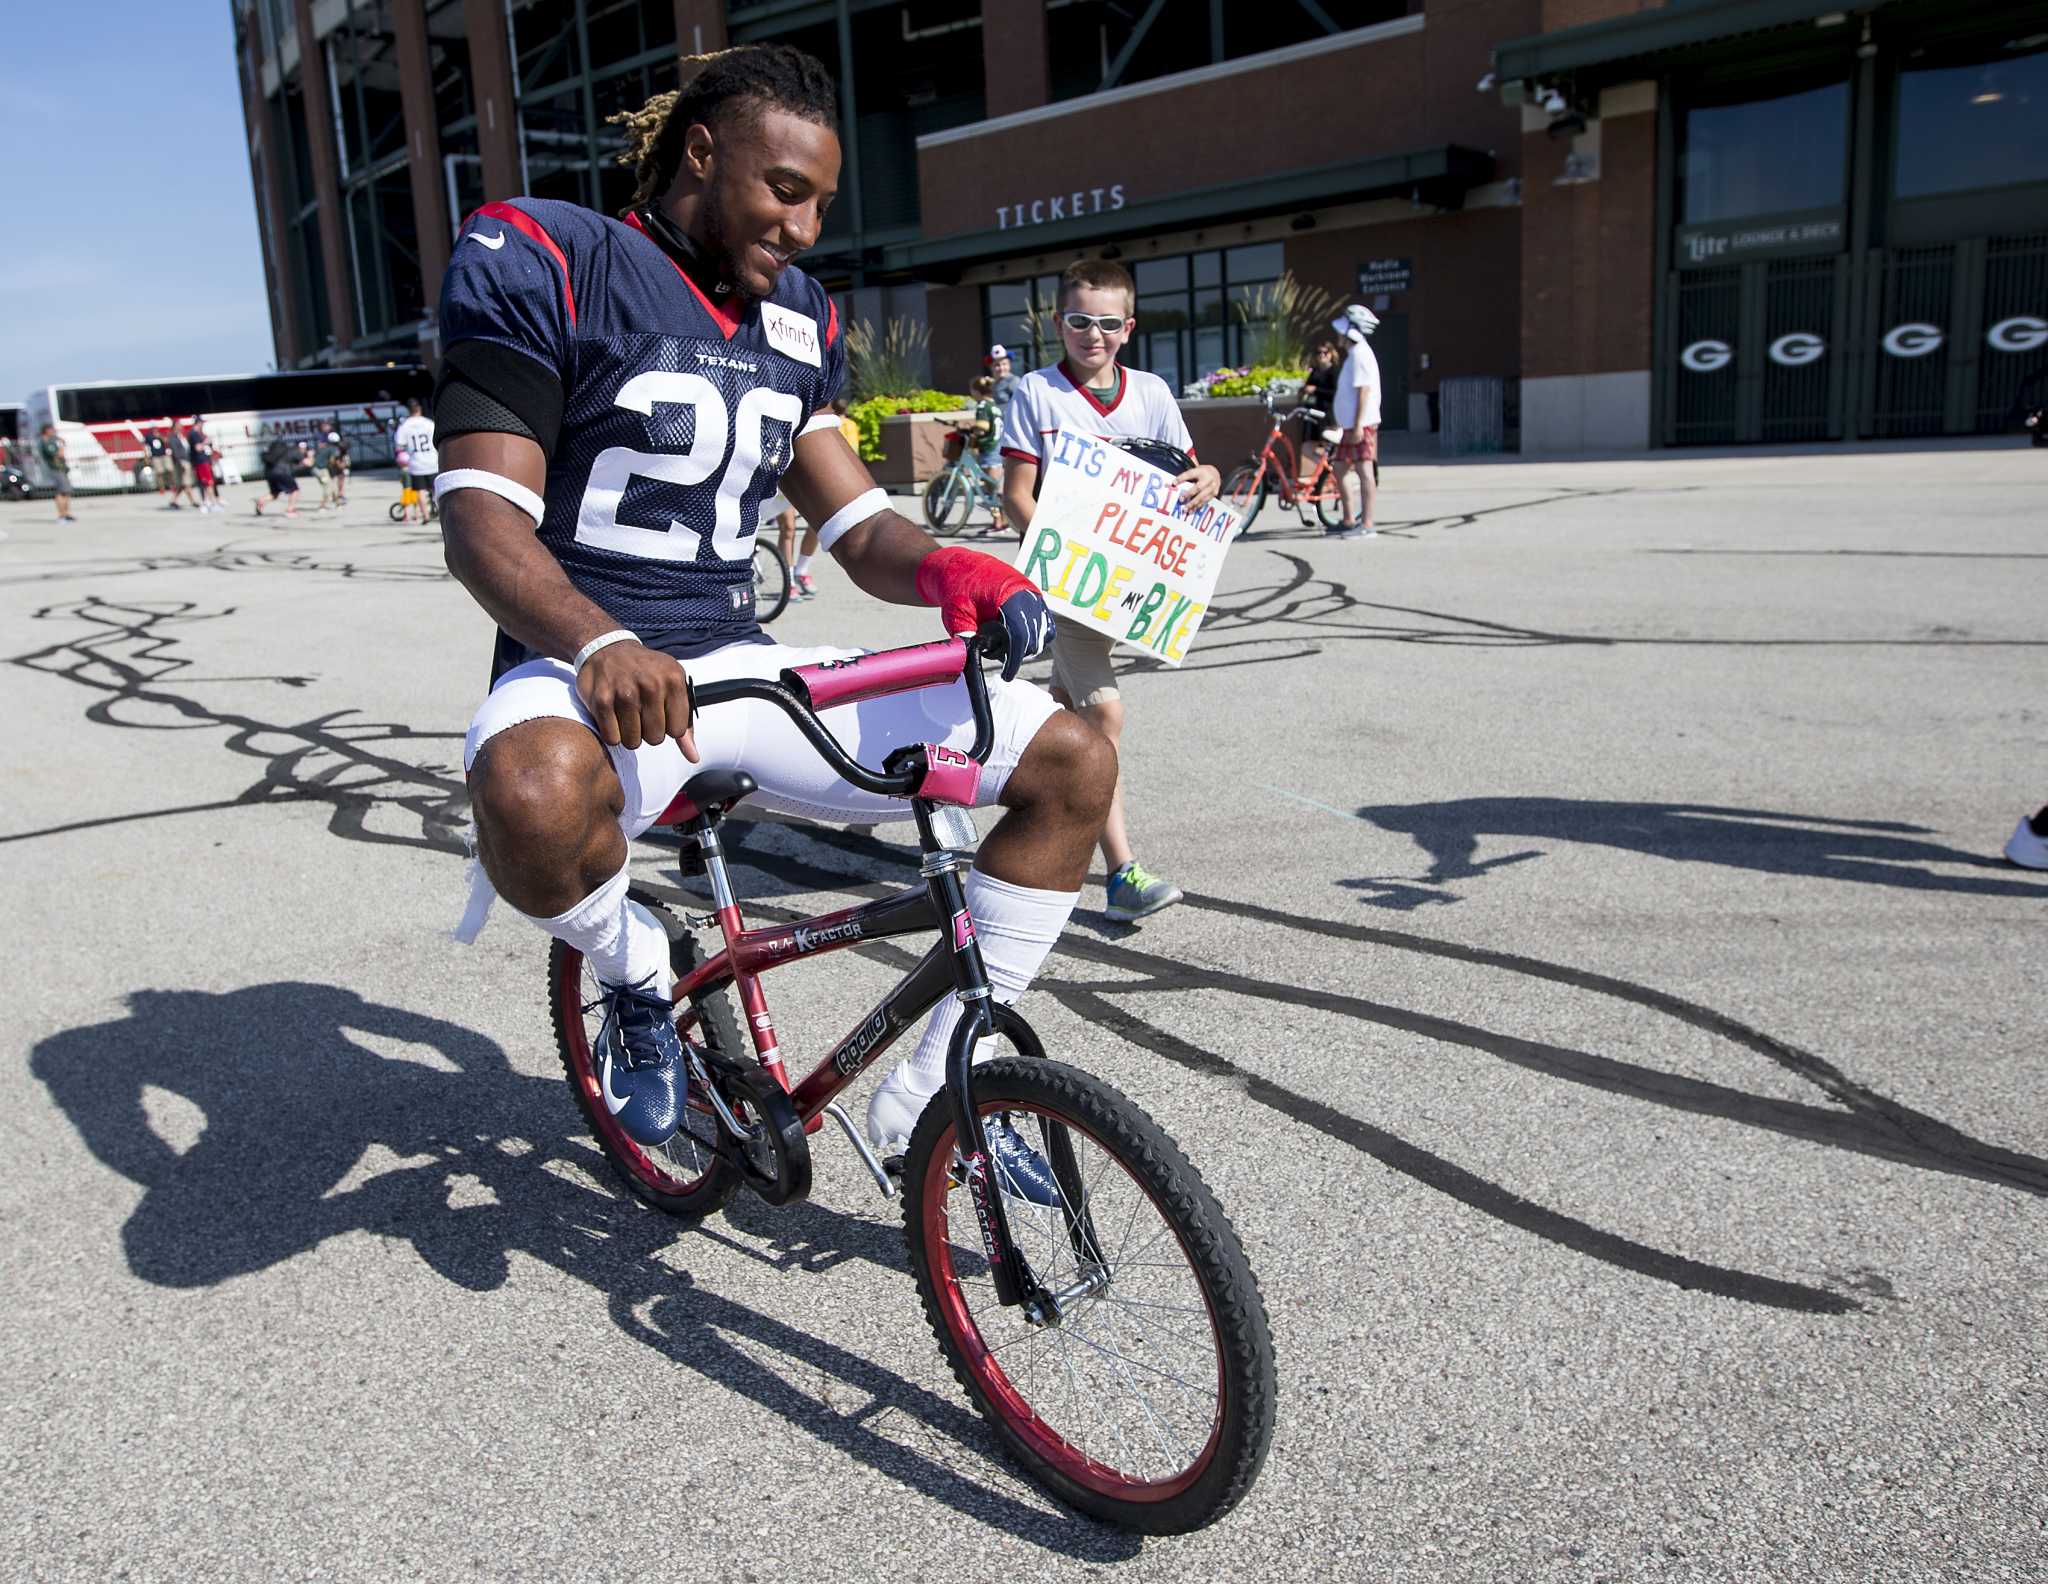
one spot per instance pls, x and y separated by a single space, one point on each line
105 423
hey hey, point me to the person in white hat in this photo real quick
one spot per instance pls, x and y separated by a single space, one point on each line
1357 416
998 361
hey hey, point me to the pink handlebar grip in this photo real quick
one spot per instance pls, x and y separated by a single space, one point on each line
871 676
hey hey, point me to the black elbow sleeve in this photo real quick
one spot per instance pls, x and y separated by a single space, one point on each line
485 388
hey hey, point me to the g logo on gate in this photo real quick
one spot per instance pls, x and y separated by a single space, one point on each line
1703 357
2021 333
1800 347
1913 340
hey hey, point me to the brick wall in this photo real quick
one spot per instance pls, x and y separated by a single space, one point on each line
1589 253
1463 311
1347 104
1575 13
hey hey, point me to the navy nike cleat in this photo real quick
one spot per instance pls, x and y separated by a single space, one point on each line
640 1069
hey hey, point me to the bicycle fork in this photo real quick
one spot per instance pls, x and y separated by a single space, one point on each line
1008 1268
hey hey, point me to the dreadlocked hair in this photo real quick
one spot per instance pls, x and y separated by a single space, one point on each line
741 81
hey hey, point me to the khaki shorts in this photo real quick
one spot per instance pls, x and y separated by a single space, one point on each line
1081 666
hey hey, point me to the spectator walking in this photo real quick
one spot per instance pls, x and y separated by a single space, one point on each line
277 474
1357 415
324 467
342 461
1090 392
51 447
179 449
415 437
205 462
159 457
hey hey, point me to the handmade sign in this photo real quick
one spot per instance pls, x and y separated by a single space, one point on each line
1114 549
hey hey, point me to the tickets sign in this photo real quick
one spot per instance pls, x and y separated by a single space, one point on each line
1114 549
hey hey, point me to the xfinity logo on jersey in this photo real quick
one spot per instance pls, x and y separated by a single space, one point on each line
792 334
2020 333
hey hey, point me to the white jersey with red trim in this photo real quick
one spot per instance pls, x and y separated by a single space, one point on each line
1048 400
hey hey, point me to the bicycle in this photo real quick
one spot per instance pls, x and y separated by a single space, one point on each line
963 487
1034 1307
397 509
1276 470
771 581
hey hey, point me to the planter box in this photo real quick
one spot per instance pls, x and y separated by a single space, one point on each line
1227 430
914 448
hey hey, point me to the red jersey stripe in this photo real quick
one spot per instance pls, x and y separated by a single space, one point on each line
728 320
521 221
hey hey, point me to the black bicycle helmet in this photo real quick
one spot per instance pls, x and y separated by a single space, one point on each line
1160 453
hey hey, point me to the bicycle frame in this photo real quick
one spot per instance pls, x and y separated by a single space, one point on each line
939 776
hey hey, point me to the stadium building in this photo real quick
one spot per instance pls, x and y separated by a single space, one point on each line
1585 224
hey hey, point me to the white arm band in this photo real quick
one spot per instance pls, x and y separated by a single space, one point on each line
851 515
602 641
497 484
820 422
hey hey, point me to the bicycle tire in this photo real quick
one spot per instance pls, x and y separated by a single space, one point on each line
680 1178
1246 490
1231 1329
1330 502
943 497
771 582
397 511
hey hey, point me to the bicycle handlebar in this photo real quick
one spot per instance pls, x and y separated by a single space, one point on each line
913 770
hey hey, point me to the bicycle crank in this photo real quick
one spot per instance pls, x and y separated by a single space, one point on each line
770 1153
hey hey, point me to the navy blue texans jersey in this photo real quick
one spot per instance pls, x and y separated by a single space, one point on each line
680 411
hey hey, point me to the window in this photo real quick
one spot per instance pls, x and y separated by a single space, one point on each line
1764 156
1188 325
1971 125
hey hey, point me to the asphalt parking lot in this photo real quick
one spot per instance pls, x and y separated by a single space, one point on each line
1600 1004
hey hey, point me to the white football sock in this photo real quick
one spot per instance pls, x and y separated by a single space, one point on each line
620 939
1017 927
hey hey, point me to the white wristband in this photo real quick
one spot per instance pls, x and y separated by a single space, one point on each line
602 641
496 483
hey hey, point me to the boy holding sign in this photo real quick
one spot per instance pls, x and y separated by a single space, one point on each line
1088 392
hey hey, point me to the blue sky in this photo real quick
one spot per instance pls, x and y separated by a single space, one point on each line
131 246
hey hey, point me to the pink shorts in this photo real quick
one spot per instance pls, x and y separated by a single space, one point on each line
1367 449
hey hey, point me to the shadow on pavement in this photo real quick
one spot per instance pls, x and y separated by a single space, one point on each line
1869 852
261 1122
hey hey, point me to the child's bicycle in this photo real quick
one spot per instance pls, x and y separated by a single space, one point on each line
1114 1336
1276 471
961 488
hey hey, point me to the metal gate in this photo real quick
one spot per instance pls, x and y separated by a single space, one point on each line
1913 305
1891 343
1758 352
2015 306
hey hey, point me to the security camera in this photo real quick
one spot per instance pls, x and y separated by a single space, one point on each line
1486 83
1551 102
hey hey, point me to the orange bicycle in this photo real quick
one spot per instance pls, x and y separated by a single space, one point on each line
1276 470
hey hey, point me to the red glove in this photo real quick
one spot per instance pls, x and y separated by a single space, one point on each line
973 590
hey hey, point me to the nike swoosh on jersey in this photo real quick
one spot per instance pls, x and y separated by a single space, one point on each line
614 1103
491 242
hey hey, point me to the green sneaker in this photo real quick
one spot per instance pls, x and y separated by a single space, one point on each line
1135 893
